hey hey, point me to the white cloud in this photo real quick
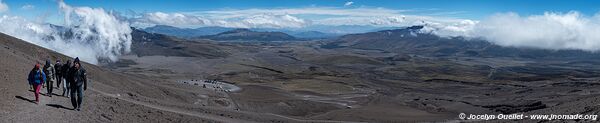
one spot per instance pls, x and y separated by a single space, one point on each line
3 7
289 17
27 7
89 33
173 19
270 21
399 20
246 21
389 20
551 30
461 28
98 30
349 3
325 11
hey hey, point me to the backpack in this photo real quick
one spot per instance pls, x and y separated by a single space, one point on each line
58 69
31 76
49 71
38 77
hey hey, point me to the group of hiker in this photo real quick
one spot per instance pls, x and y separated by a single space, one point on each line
70 73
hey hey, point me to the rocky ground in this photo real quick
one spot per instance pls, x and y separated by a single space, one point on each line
111 96
304 81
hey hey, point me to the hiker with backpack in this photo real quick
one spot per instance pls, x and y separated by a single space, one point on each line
37 77
50 77
58 74
65 74
78 84
30 77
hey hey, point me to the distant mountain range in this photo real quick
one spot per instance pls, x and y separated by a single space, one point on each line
149 44
186 32
249 35
311 32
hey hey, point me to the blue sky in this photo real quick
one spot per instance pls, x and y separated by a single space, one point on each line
470 9
299 13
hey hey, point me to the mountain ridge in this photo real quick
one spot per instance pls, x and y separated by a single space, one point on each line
249 35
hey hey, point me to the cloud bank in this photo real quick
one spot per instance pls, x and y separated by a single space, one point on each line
287 17
174 19
89 33
548 31
556 31
246 21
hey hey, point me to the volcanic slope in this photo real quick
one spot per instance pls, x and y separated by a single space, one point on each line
111 96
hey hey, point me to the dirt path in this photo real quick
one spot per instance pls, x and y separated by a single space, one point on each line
220 119
206 116
49 109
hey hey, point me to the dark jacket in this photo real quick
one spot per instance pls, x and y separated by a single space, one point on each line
78 77
30 76
58 69
65 72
